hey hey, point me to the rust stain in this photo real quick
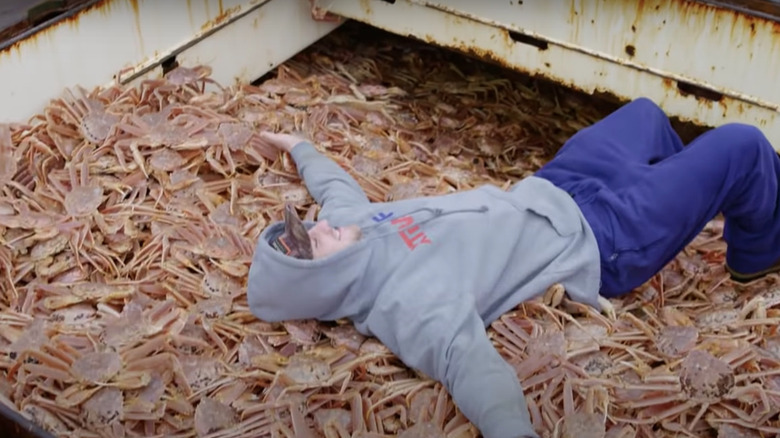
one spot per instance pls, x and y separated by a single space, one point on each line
695 12
640 7
366 5
572 12
137 17
102 7
134 5
573 20
725 105
259 17
224 15
189 13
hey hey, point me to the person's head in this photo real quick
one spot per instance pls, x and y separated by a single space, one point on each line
319 241
326 240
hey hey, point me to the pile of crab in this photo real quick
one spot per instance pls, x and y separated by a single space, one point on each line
129 214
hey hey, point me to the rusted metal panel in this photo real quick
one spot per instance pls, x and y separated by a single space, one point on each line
127 40
18 16
769 9
704 62
258 42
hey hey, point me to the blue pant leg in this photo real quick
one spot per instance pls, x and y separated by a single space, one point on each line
639 131
732 169
607 153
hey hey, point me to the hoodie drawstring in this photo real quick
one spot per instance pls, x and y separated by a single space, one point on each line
436 213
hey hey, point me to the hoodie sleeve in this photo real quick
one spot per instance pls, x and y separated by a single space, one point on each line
449 343
327 182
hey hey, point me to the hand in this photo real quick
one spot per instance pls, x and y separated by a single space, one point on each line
284 142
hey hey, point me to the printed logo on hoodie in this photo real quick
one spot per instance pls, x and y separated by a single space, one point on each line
410 233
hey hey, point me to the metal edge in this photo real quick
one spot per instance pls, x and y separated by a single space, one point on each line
73 49
765 9
144 69
680 96
543 32
17 425
271 23
48 23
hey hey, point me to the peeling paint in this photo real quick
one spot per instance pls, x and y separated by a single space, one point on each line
223 17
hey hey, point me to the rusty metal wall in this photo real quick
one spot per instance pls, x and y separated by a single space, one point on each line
704 62
128 40
760 8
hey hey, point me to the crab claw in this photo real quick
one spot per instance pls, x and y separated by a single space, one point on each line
607 308
554 295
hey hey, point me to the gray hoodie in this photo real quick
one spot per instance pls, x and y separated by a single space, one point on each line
430 274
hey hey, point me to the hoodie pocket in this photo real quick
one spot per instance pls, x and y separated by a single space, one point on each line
560 213
564 225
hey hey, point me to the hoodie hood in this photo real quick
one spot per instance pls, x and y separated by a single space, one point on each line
282 287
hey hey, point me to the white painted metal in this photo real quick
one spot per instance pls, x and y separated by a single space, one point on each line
257 42
239 39
628 49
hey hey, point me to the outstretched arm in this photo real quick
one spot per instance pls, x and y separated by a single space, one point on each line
328 183
448 342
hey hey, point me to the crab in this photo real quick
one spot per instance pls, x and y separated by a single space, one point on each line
60 297
703 381
212 416
8 162
89 115
156 129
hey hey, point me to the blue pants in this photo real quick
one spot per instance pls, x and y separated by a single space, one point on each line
646 197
